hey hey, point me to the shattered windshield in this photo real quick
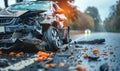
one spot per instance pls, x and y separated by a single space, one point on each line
30 6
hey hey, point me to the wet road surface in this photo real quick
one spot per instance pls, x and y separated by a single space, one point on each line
111 44
108 56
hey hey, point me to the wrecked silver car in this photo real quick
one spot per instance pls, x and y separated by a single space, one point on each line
36 22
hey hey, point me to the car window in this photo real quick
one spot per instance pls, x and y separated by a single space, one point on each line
30 6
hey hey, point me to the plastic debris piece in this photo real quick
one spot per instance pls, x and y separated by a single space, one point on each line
50 65
43 54
104 67
111 52
71 57
86 48
85 56
12 53
39 59
61 64
104 53
95 51
80 68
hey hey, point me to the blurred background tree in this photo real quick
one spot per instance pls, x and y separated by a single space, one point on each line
117 22
77 19
82 22
112 23
94 13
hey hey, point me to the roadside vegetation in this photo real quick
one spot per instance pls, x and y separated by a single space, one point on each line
112 23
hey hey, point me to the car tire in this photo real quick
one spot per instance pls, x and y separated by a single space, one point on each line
53 40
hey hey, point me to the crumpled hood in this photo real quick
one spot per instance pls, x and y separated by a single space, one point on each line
6 13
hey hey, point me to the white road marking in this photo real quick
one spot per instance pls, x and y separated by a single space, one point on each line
77 39
20 65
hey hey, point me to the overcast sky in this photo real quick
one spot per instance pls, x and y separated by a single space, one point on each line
102 5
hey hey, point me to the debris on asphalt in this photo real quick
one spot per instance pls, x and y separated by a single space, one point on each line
105 58
61 64
93 57
81 68
39 59
104 53
86 48
95 51
75 42
95 41
104 67
42 56
50 65
111 52
76 57
20 54
66 48
71 57
85 56
71 51
12 53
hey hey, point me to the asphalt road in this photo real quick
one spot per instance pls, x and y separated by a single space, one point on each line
109 55
112 43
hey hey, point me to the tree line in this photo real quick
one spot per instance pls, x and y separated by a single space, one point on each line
112 23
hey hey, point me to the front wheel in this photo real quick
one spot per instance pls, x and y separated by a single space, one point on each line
52 37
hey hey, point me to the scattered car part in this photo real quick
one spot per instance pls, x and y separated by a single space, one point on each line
93 58
63 55
104 67
96 41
